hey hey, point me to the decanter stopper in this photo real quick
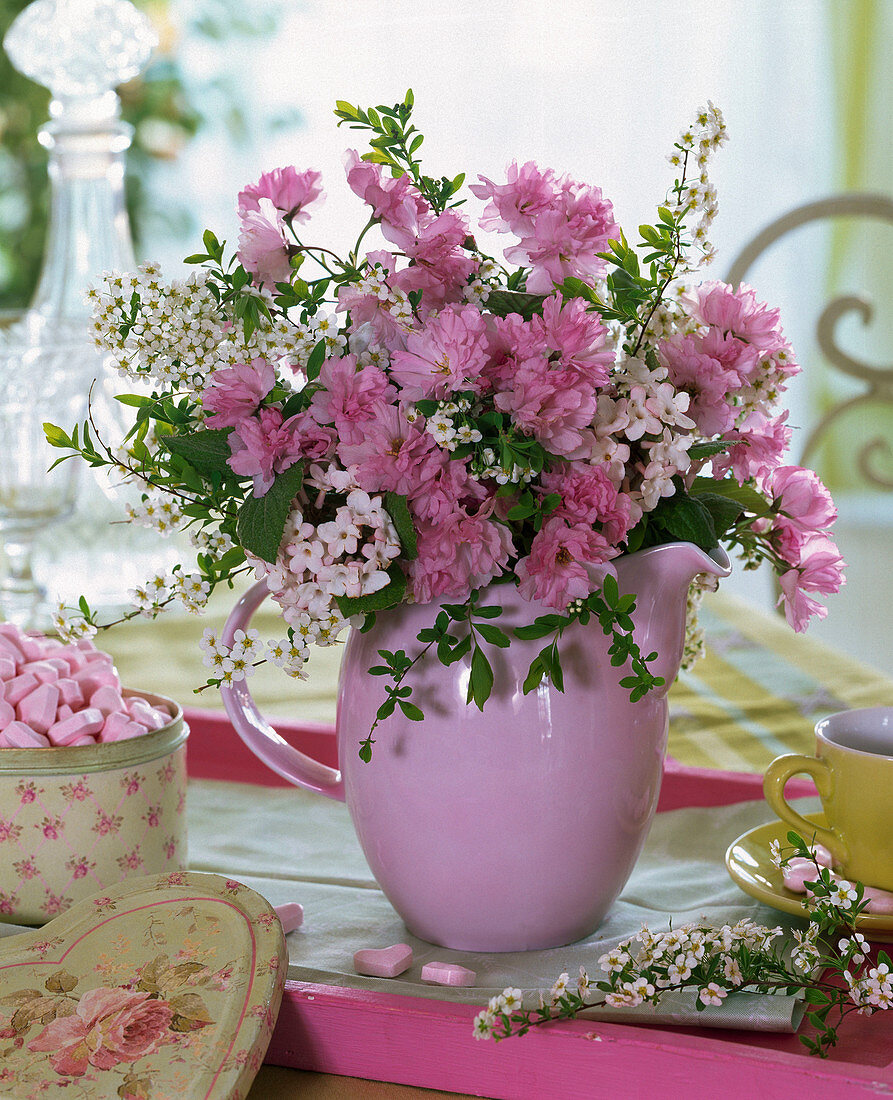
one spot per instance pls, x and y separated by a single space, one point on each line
81 50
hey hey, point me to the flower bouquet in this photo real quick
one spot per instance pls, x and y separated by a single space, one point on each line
415 421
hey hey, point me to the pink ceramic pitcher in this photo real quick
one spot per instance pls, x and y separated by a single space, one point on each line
516 827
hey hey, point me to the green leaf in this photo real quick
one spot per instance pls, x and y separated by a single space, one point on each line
610 590
389 596
262 520
207 450
749 499
397 508
480 683
723 511
411 711
687 519
56 437
711 447
492 634
365 752
133 399
503 302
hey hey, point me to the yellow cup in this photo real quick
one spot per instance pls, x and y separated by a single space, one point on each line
853 773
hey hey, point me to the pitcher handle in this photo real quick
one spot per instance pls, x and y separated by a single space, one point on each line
256 731
777 774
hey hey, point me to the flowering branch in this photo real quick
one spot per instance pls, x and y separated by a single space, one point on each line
835 981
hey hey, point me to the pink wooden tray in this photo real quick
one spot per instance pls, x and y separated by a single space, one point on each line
428 1043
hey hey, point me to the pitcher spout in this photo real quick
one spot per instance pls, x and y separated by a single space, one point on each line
659 578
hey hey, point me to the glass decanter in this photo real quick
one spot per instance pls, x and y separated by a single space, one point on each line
81 50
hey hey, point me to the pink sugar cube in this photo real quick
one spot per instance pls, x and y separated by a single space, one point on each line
441 973
38 710
45 671
19 736
7 667
70 692
7 714
144 713
20 686
107 699
80 724
119 727
383 962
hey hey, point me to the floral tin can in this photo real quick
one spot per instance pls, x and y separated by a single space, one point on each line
74 820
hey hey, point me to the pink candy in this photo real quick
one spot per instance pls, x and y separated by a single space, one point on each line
291 916
441 973
383 962
55 695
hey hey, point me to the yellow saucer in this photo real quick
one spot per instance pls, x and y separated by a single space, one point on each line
750 865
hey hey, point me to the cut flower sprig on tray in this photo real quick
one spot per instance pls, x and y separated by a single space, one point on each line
829 964
415 421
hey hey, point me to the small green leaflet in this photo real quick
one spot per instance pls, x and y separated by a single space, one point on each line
262 520
208 450
749 499
686 518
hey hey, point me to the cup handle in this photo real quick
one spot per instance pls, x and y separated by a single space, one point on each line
256 731
777 774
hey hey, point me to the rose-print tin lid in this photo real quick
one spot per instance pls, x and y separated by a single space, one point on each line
161 987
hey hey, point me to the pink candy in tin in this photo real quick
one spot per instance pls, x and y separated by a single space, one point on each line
54 695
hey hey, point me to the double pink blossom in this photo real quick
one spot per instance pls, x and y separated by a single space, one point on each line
395 201
266 445
801 497
566 562
350 396
264 249
820 569
456 554
758 445
446 356
289 190
394 454
235 392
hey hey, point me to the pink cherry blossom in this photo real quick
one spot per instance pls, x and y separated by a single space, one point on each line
350 396
264 249
109 1027
235 392
559 566
289 190
801 497
738 313
515 204
448 355
393 455
456 554
449 489
710 368
576 336
264 446
395 201
440 265
759 443
552 403
588 496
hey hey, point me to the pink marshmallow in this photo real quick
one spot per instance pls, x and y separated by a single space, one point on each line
441 973
19 736
9 649
107 699
80 724
86 740
119 727
70 693
20 686
32 648
38 710
94 676
144 713
291 916
7 714
45 671
64 711
7 667
383 962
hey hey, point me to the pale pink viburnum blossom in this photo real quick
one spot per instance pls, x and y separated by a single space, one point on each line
565 563
448 355
235 392
289 190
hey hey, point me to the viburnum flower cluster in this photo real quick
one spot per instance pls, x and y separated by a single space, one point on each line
716 962
418 420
